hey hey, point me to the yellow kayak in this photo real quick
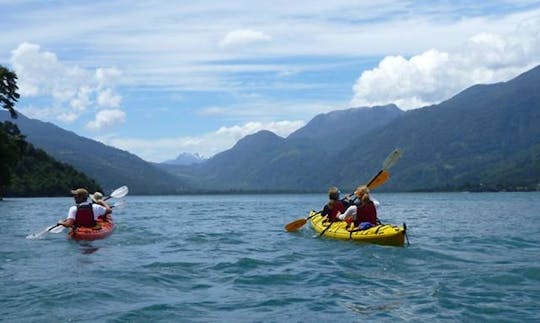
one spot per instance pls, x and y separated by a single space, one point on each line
383 234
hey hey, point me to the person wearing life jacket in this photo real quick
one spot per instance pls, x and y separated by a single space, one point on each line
83 213
363 215
97 198
334 205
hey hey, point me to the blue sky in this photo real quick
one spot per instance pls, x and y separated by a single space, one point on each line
158 78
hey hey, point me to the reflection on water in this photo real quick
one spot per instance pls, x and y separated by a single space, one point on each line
87 248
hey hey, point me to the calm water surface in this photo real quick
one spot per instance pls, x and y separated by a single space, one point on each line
473 257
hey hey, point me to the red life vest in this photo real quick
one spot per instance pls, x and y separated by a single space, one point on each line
331 209
337 207
366 213
84 216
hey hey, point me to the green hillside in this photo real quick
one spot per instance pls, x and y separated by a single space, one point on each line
111 167
28 171
474 140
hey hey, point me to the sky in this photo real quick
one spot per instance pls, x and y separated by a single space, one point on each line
159 78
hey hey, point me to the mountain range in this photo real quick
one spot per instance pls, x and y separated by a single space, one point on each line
485 138
267 162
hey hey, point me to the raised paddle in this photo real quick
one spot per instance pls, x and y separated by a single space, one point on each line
118 193
383 175
379 179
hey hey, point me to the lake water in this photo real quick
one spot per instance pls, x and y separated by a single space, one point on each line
227 258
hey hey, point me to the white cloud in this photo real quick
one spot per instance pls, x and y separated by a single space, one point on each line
82 99
434 75
171 50
188 35
107 76
67 117
41 73
242 37
105 119
70 89
161 149
108 99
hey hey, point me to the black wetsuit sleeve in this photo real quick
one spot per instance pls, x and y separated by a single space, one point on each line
325 210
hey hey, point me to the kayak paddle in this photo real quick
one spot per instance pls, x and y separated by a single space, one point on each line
298 223
379 179
119 205
383 175
118 193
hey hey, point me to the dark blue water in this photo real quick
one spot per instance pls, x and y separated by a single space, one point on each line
473 257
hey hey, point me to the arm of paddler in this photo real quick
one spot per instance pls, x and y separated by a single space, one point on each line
106 212
66 223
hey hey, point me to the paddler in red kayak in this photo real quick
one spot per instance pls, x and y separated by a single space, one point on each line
97 198
83 213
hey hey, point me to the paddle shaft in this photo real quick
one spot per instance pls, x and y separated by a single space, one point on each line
374 178
326 229
53 227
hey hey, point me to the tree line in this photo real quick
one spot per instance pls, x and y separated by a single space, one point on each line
26 170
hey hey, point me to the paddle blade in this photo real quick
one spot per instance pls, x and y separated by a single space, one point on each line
120 192
119 205
295 225
42 234
39 235
392 159
379 179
